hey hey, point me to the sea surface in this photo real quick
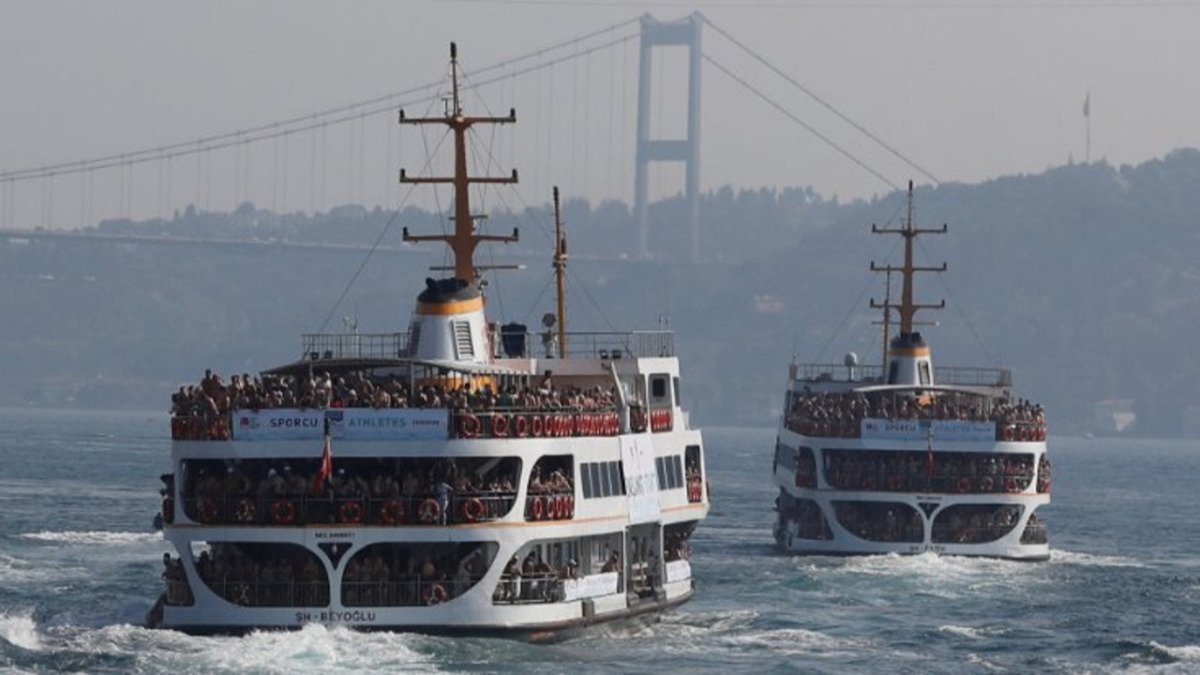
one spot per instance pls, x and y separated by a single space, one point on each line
79 567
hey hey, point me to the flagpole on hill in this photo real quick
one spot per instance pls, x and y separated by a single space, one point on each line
1087 116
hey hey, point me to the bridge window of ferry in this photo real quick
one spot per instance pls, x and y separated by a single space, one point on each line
551 493
670 472
414 574
263 574
602 479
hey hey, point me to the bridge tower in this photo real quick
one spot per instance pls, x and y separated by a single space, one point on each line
684 32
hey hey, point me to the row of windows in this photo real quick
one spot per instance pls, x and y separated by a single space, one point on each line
670 472
602 479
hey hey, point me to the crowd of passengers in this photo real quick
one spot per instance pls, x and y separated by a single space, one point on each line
262 575
213 396
532 579
245 492
402 579
848 408
906 471
880 521
969 524
806 516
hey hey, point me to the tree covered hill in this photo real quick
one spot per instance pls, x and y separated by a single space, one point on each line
1082 279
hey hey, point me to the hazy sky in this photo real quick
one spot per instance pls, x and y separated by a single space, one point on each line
968 90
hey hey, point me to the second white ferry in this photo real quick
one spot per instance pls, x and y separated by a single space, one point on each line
909 458
451 478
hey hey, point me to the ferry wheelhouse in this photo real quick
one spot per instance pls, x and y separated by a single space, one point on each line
457 477
909 458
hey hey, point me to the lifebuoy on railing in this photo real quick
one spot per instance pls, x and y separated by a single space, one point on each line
538 426
393 512
244 513
435 594
522 426
964 485
538 508
500 425
473 510
570 501
429 511
207 511
468 426
1012 486
350 512
283 511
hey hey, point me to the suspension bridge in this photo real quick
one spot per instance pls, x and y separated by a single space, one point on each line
597 113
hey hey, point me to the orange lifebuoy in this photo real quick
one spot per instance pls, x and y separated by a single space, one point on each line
473 510
964 484
570 506
350 512
429 511
468 426
538 426
522 425
434 594
539 509
1043 485
283 511
1012 486
393 512
500 425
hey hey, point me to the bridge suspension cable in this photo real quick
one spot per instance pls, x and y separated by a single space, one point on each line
793 117
823 102
330 116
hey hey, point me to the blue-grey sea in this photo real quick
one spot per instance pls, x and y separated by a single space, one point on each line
79 567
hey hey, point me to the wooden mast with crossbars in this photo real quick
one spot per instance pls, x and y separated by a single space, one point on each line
560 273
907 308
465 238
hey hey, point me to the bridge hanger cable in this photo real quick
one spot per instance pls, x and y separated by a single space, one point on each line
774 104
379 240
824 103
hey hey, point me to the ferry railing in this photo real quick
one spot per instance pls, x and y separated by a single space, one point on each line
555 505
271 593
1034 533
957 376
536 588
527 423
937 482
355 345
606 345
308 510
412 591
982 534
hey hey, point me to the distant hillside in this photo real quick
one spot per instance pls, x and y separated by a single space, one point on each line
1082 279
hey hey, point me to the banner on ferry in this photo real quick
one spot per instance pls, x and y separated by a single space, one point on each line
591 586
919 430
641 479
363 424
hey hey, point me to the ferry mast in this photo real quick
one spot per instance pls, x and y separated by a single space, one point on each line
465 239
907 308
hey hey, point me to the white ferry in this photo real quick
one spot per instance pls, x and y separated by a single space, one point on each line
457 477
909 458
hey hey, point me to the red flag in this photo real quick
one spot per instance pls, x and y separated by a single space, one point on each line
326 463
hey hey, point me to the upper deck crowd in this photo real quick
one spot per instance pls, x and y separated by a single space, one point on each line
840 414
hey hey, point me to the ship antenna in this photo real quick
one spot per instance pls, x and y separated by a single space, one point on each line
907 307
560 273
464 240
